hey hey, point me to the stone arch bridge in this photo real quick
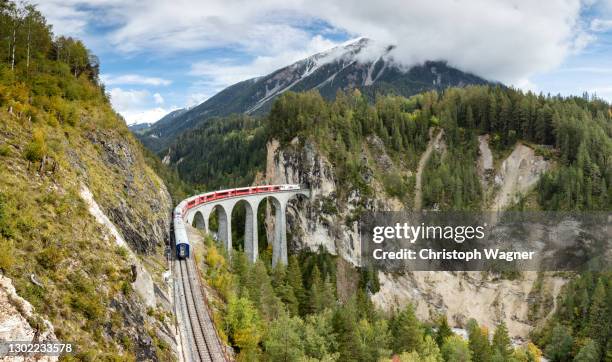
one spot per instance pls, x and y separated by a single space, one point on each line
200 207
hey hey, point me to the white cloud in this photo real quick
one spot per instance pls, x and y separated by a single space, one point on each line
133 79
138 106
601 25
500 39
158 98
506 40
125 99
149 115
218 74
196 98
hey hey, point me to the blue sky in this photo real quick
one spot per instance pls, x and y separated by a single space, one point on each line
162 55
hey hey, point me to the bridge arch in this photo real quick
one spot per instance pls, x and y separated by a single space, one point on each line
198 221
223 225
244 224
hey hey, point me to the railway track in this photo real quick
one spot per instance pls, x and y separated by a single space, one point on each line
202 342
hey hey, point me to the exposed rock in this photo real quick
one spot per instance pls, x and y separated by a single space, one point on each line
485 160
517 175
381 157
435 144
16 316
323 221
465 295
141 278
143 232
307 167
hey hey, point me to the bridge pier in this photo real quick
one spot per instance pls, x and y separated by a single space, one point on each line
251 242
224 232
279 247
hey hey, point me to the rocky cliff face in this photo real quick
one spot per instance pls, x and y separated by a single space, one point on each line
19 321
83 234
325 220
143 207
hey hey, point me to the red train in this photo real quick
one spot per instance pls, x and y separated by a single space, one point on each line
223 194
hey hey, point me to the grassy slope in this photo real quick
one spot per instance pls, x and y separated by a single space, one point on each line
46 229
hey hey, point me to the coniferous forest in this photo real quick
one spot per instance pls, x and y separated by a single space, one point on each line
296 307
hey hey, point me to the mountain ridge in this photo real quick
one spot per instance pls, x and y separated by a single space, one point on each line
362 64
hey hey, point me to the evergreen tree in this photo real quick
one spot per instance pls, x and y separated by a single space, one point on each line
373 339
478 342
456 349
294 280
560 346
406 331
319 336
443 330
283 341
345 328
501 341
469 118
588 353
315 293
598 325
430 352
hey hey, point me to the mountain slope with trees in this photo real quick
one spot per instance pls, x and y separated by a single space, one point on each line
573 133
66 158
340 68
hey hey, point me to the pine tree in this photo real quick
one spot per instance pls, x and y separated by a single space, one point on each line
315 293
588 353
283 341
294 279
320 340
406 331
443 331
560 346
345 328
430 352
501 341
598 325
456 349
478 342
469 118
373 339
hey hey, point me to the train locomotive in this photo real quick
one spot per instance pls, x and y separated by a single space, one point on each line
180 234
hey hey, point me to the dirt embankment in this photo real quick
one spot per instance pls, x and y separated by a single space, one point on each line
465 295
485 160
517 175
435 143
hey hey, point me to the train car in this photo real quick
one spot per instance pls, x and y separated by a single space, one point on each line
289 187
180 235
182 251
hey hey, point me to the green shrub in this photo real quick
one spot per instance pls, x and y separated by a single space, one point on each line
36 149
4 150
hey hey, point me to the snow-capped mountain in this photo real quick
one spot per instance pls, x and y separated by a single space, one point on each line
363 64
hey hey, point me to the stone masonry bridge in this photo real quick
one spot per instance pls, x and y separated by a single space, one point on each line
199 208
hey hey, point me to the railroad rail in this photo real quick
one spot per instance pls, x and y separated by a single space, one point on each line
202 341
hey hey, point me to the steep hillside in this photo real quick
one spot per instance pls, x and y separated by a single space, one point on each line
472 148
83 219
359 158
363 64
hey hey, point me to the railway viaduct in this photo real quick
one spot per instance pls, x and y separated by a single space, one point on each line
199 215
